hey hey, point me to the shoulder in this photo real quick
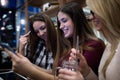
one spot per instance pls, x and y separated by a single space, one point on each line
95 42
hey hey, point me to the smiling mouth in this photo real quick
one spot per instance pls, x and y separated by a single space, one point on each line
65 31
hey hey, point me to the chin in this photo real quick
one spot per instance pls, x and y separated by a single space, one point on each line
98 29
67 36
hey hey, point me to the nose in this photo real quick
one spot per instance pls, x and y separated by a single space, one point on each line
41 33
61 25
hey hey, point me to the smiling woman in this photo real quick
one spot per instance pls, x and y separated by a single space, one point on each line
72 21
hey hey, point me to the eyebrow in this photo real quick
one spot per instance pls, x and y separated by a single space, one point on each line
43 26
63 19
40 27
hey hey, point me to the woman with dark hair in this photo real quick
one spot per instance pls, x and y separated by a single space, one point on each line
40 49
72 21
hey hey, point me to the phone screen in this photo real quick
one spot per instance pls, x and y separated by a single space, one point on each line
6 45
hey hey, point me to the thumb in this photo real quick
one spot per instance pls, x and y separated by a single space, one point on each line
80 56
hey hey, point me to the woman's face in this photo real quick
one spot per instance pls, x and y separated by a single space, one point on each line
66 24
96 21
40 29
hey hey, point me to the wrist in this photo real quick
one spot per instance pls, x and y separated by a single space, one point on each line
86 72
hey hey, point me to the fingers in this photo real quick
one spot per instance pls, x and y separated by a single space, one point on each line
80 56
73 50
27 34
73 54
11 54
65 74
20 55
25 37
23 40
66 71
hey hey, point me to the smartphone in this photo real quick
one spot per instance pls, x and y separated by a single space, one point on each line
10 75
57 71
7 46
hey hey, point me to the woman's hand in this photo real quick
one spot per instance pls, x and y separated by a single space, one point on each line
23 41
82 64
65 74
20 64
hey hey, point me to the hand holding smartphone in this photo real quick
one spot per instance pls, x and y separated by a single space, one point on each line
7 46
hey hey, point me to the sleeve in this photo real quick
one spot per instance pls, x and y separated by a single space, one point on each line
93 56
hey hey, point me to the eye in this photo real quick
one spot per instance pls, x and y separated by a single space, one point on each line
64 20
36 31
42 27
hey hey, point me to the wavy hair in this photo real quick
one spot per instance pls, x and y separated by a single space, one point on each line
82 28
51 34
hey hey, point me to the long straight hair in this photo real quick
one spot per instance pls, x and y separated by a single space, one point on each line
108 11
63 48
82 28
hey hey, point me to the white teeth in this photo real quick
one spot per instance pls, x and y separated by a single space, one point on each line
65 29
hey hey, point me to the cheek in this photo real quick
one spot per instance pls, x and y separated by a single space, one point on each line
38 35
71 30
99 26
45 30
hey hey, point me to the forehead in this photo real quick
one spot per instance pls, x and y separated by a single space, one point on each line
62 15
38 23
